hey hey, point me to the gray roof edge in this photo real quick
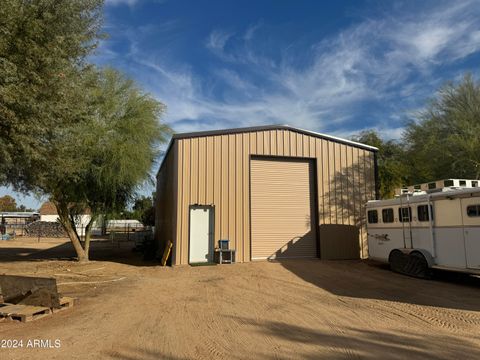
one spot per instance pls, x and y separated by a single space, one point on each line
169 146
272 127
261 128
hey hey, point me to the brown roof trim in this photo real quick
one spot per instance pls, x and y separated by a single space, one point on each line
264 128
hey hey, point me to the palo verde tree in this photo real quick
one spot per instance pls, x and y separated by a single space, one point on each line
102 162
83 137
444 140
43 47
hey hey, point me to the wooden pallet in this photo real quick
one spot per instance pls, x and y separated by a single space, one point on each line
66 302
26 313
23 313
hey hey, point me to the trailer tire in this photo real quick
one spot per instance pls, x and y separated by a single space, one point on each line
396 259
413 264
418 266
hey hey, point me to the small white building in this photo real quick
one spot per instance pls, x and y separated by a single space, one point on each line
123 224
48 212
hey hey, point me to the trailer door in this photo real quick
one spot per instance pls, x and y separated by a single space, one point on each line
471 231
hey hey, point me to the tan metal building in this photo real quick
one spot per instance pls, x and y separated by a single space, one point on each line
273 191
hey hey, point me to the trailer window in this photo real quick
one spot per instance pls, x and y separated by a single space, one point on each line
387 215
473 210
405 214
422 212
372 216
448 183
474 183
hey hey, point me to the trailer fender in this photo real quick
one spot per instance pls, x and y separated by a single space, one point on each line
402 250
426 254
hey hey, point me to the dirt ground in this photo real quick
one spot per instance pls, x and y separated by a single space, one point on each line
298 309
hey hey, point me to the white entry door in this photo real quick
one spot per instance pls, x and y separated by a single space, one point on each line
471 230
201 234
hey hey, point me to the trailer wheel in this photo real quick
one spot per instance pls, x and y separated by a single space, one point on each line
413 264
396 259
418 266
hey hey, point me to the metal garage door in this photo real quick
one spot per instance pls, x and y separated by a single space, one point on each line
282 209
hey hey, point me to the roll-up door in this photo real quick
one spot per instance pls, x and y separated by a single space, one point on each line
282 209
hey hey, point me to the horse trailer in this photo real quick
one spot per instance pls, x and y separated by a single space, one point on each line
424 230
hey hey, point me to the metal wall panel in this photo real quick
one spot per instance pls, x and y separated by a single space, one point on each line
166 210
215 170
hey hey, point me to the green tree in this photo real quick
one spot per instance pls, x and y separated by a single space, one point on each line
86 138
444 140
101 163
392 170
142 203
43 47
8 203
144 210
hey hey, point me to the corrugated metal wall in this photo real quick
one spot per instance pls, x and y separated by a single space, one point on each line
166 202
215 170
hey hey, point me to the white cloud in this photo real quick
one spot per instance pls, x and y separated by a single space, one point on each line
390 61
250 32
441 37
121 2
130 3
217 40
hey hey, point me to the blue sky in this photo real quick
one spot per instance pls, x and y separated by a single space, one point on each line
337 67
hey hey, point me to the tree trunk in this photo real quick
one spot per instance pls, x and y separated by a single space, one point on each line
69 226
88 232
82 254
104 225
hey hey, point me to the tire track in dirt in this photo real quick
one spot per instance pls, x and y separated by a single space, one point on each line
303 309
443 319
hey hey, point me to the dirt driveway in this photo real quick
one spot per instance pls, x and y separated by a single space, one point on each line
266 310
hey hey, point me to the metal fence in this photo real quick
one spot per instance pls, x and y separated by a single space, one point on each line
124 232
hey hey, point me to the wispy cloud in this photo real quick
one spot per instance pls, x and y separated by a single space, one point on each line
130 3
120 2
217 40
390 62
250 32
441 36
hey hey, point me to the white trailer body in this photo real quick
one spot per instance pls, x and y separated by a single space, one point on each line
442 229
